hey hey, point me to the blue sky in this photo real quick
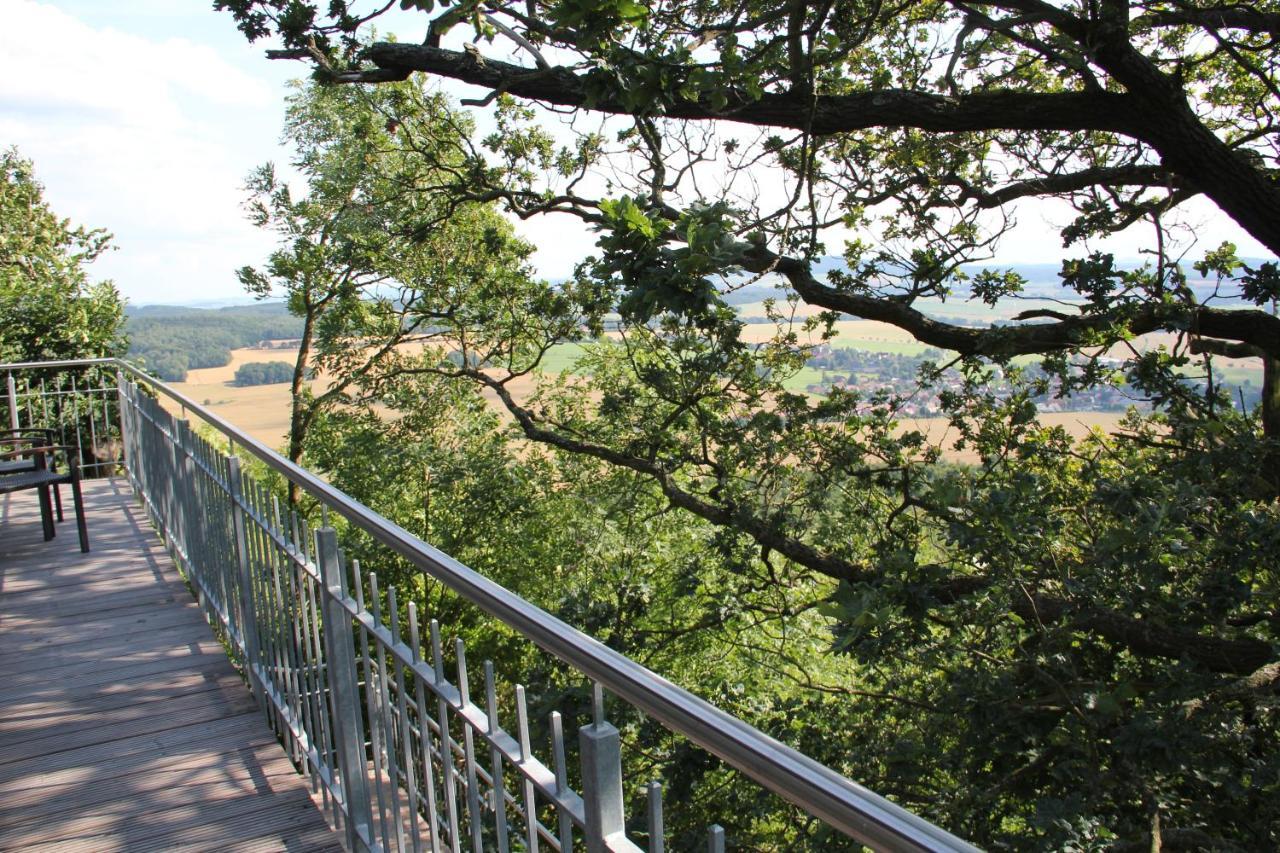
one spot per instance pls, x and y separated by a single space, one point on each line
144 116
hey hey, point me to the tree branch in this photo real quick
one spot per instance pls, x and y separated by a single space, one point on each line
1142 637
1220 18
823 114
1254 327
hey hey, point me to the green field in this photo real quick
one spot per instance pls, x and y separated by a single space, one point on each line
562 358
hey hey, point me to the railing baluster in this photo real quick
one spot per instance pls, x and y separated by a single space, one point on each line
496 786
389 739
446 742
323 738
248 617
656 841
562 782
311 657
526 756
371 710
12 388
406 735
424 732
469 751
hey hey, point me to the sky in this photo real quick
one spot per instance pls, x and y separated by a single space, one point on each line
143 117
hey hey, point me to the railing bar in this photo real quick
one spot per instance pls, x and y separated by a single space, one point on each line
245 495
259 567
446 740
424 732
44 408
287 672
562 783
406 736
469 747
328 713
371 708
93 434
75 419
298 621
526 755
309 656
389 738
496 786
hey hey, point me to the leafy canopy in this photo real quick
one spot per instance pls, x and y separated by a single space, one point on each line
1079 640
49 309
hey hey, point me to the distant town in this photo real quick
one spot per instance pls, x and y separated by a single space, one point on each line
869 372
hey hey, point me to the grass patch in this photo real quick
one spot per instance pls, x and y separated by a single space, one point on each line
562 358
803 378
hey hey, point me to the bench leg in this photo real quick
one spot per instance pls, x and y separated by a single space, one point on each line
81 527
46 513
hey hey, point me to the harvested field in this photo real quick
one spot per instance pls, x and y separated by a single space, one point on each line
1077 425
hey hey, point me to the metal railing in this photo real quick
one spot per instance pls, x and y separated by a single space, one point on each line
78 400
396 746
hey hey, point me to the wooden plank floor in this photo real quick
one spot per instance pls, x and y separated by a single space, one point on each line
122 724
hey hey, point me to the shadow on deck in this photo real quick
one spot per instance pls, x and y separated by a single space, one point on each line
123 726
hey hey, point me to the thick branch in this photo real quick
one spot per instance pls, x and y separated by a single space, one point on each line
997 110
1054 184
1253 327
1222 18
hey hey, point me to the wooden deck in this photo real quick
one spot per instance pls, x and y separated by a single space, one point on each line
123 726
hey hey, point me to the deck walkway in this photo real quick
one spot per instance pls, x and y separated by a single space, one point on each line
123 726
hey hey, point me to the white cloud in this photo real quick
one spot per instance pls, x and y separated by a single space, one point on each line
148 137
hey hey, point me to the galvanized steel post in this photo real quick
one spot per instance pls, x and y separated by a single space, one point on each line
349 728
600 752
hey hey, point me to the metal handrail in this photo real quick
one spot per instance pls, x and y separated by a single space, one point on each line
815 788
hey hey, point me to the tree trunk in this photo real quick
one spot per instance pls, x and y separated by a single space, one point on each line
1271 418
297 414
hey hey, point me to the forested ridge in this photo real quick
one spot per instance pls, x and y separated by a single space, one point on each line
168 341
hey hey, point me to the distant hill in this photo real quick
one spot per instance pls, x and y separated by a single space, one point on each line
169 340
270 307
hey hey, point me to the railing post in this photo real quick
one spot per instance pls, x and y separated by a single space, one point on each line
248 610
600 752
13 401
340 650
125 430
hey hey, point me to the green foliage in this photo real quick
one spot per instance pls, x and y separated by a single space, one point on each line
1061 646
262 373
370 257
48 307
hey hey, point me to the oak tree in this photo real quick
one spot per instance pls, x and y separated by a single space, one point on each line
1090 628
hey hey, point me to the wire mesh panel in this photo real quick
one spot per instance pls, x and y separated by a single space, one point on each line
409 745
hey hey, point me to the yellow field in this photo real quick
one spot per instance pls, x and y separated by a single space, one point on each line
263 410
1077 425
847 332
